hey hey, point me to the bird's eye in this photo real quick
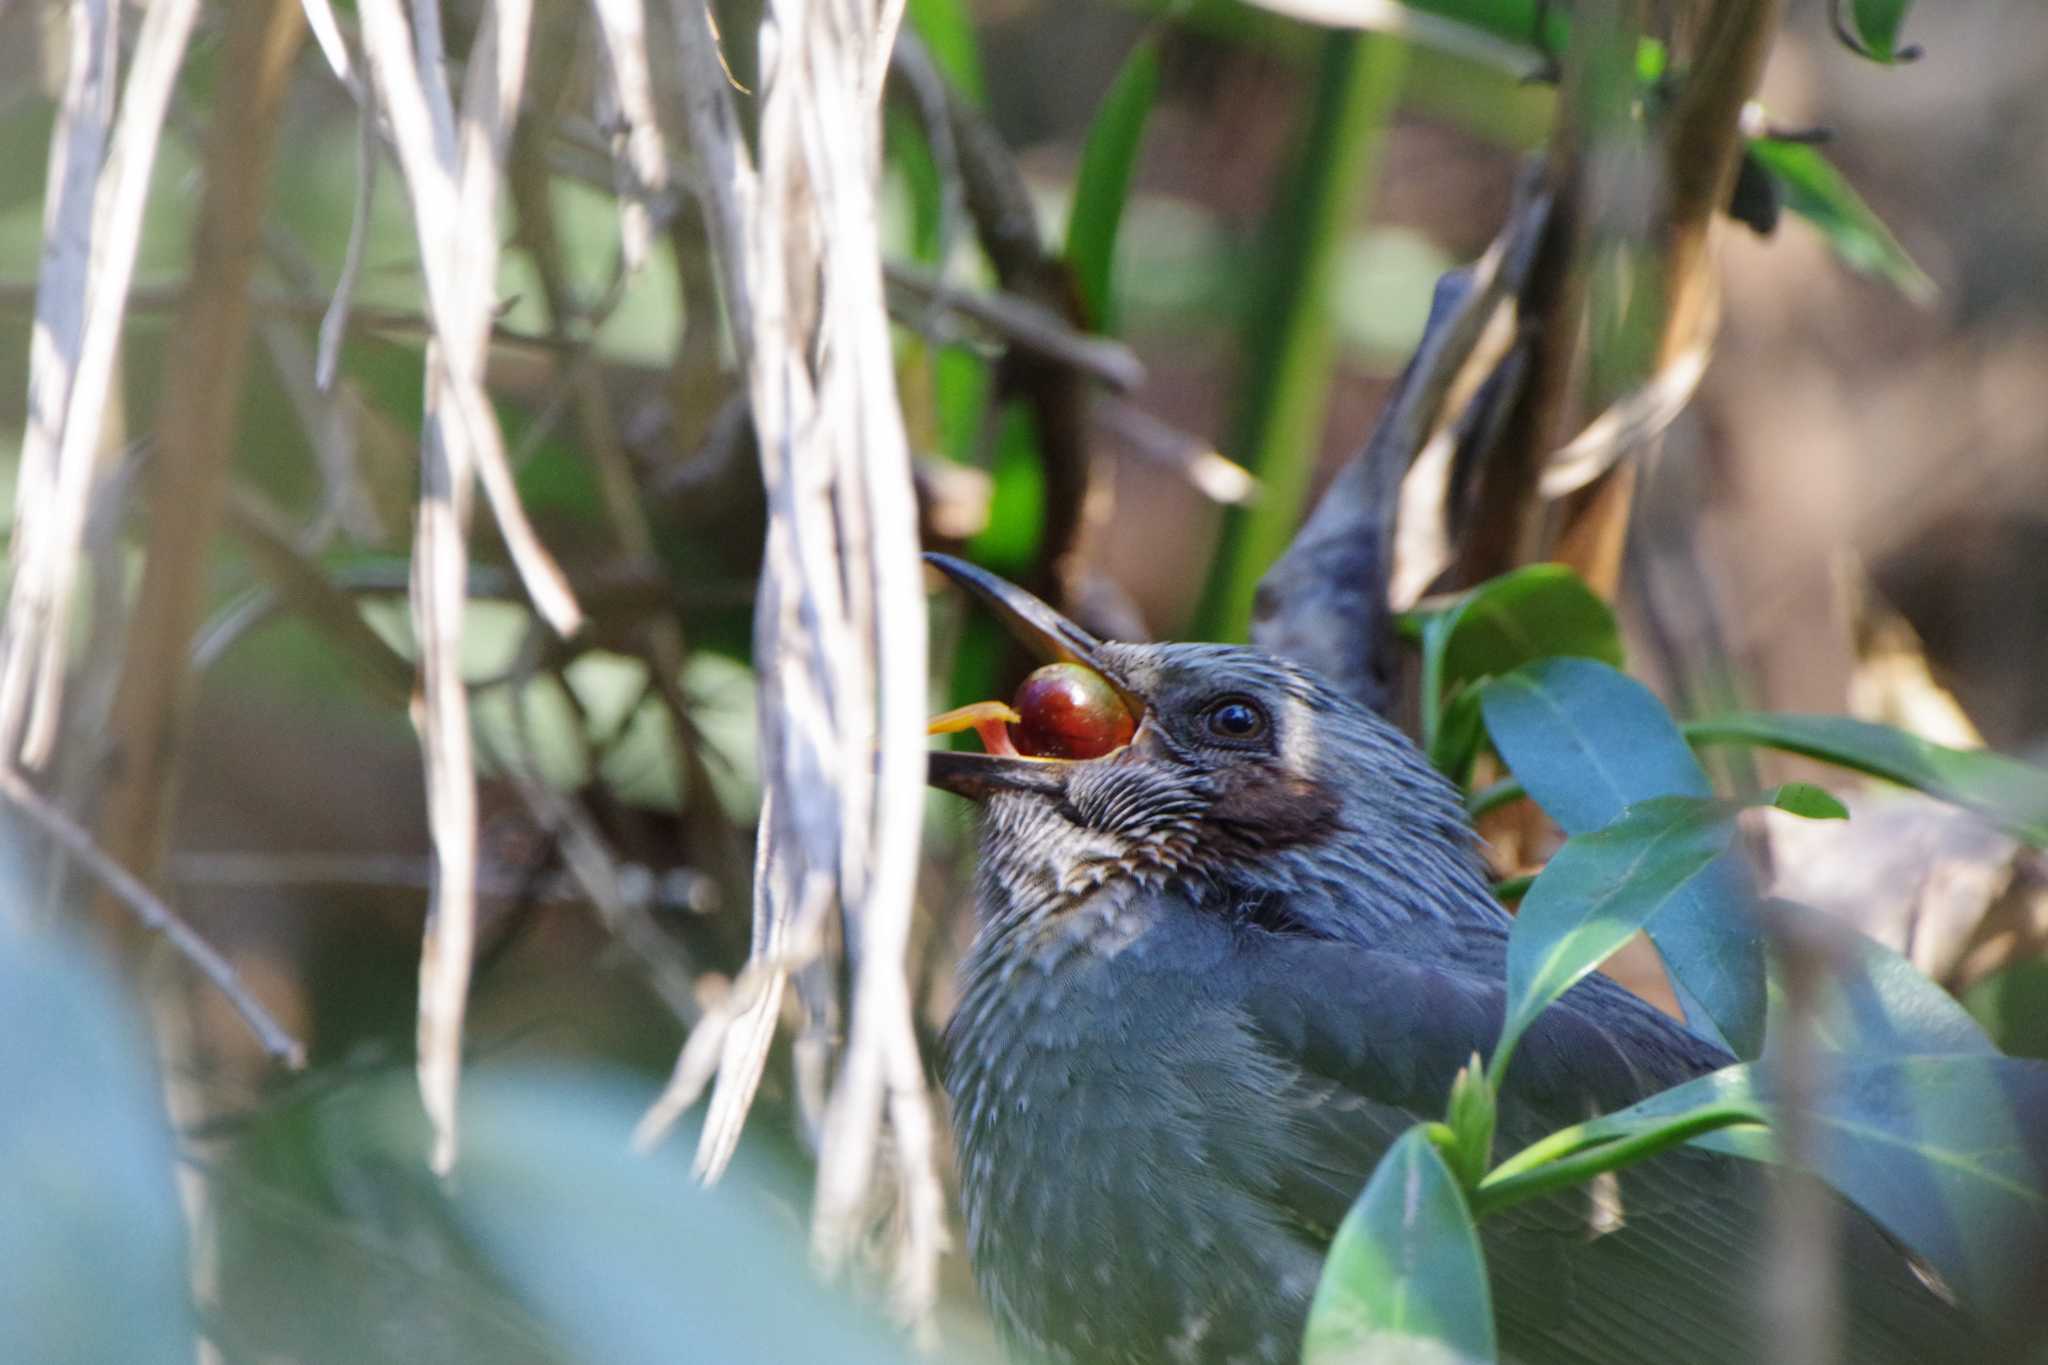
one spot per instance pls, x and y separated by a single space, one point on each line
1235 720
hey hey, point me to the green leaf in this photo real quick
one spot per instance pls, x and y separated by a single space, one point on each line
1522 616
1289 336
1807 801
1817 192
949 33
1405 1279
1587 742
1108 160
2011 794
1517 618
911 158
1877 23
1950 1154
1598 891
92 1243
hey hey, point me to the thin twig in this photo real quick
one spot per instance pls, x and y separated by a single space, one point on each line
1021 322
327 35
452 174
332 420
144 300
1195 460
334 323
155 915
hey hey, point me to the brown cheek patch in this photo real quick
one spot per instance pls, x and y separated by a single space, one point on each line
1260 810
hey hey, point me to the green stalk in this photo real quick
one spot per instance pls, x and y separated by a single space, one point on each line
1289 341
1571 1157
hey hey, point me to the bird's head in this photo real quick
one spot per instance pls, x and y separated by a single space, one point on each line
1219 764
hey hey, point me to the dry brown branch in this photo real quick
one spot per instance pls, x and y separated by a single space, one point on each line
268 540
154 914
267 304
82 310
839 624
1206 469
195 435
1021 322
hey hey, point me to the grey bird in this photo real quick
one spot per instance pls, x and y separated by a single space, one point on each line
1220 966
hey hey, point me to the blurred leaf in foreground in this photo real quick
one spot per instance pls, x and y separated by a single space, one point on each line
92 1243
1405 1280
1949 1153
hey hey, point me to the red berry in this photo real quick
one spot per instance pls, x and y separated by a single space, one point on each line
1069 711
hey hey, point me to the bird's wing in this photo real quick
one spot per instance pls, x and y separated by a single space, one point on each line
1666 1263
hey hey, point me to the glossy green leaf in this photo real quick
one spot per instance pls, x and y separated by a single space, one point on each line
1588 742
1108 160
1817 192
92 1243
1528 614
2009 793
1808 801
1949 1153
1405 1279
1598 891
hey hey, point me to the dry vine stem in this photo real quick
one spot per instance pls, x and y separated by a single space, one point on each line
452 173
839 641
92 227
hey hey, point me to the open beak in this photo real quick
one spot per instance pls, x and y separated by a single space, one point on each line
1050 636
